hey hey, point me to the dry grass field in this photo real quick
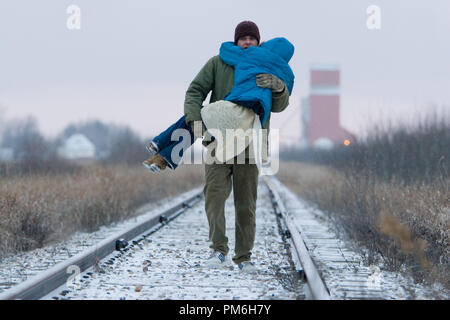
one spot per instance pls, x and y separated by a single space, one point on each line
38 209
407 227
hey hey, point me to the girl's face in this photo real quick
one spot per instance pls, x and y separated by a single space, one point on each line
247 41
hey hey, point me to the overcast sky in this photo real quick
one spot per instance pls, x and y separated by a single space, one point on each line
132 60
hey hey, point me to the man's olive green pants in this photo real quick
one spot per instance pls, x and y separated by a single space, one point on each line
219 180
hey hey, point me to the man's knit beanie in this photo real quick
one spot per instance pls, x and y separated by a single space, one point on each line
246 28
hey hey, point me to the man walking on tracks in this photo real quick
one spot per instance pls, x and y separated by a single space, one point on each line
218 77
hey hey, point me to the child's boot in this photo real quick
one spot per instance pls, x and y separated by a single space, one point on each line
155 164
152 148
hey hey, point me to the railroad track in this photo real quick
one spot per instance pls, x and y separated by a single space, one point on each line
39 285
304 265
162 258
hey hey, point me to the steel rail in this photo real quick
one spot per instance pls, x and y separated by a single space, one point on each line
317 286
47 281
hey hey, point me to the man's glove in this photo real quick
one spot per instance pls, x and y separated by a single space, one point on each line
198 128
265 80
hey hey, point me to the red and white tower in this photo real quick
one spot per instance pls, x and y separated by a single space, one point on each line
320 111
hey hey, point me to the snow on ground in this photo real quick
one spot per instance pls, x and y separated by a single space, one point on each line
341 267
17 268
169 264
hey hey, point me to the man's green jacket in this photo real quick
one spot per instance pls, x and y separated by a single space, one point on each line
217 76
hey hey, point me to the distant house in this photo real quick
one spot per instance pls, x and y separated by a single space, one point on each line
77 147
6 154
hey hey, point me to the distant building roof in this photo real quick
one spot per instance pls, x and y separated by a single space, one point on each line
324 66
6 154
77 146
324 143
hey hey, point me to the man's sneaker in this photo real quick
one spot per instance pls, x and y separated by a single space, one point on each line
216 260
152 148
247 267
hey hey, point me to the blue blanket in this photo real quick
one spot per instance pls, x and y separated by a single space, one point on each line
271 57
